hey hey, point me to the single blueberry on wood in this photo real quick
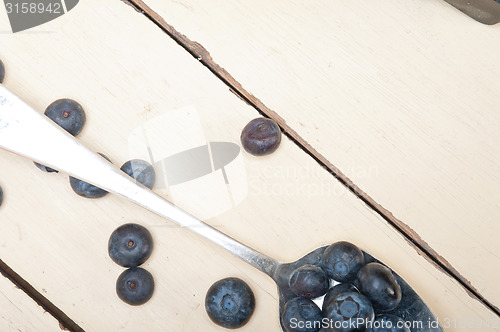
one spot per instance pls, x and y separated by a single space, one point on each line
130 245
68 114
309 281
135 286
85 189
336 290
230 303
142 171
2 71
301 315
378 284
349 312
342 261
261 136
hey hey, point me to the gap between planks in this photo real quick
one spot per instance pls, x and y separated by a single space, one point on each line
65 323
203 56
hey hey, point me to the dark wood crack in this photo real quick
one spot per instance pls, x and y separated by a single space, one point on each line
65 323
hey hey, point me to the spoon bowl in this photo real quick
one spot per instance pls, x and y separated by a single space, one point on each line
411 309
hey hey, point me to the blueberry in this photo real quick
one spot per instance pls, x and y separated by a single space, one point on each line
309 281
336 290
261 136
349 311
141 171
45 168
388 323
301 315
2 71
342 261
135 286
85 189
230 303
1 196
130 245
68 114
379 285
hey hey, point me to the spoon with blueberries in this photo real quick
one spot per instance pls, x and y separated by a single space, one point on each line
353 288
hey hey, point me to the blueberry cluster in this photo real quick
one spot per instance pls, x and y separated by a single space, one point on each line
130 245
261 137
70 116
230 303
364 293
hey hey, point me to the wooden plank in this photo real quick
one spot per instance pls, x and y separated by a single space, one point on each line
399 96
21 313
129 76
65 323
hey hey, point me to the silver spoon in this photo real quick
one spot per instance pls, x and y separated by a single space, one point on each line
28 133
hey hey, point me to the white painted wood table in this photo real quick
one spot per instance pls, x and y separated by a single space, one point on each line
347 78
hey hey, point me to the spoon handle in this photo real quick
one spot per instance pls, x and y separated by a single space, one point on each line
28 133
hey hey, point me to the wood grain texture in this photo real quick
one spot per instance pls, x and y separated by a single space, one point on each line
127 74
20 313
400 97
